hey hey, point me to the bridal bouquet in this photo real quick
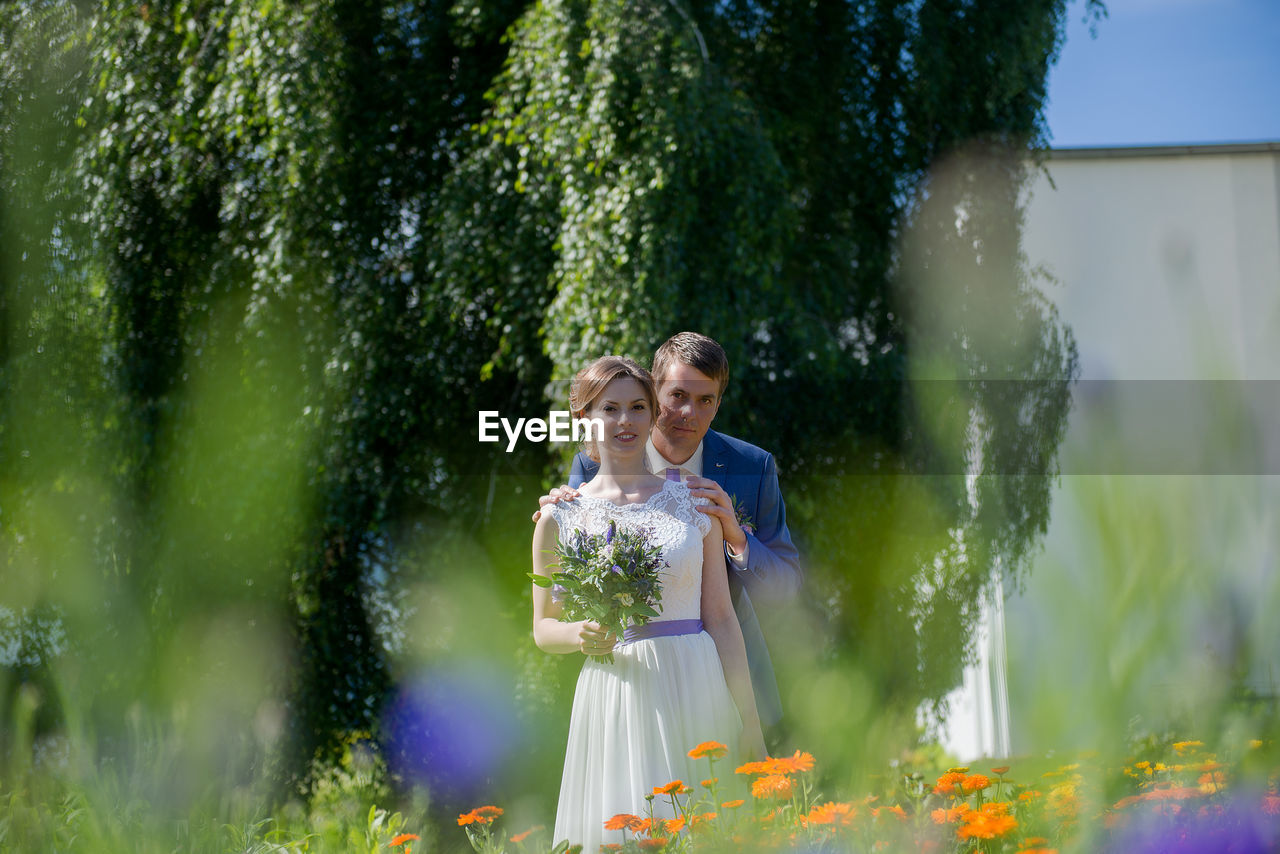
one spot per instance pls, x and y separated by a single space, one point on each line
611 578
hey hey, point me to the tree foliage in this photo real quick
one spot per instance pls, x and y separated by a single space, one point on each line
298 245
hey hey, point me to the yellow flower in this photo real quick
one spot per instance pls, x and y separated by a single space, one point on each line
1063 800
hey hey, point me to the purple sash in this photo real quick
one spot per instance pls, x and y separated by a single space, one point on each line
661 629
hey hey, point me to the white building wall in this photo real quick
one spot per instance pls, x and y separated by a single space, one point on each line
1158 581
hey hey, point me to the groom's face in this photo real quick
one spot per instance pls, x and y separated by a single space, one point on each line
687 402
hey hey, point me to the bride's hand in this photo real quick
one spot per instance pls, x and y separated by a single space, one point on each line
594 639
555 496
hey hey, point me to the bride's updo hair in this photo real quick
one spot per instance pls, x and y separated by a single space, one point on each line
590 382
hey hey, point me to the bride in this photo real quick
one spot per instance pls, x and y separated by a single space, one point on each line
677 682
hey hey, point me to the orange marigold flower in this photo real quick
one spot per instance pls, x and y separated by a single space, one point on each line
895 809
624 821
950 816
793 764
674 825
975 782
480 815
831 813
708 783
608 846
713 749
947 782
1029 795
403 838
675 787
732 805
1001 771
652 843
1212 781
700 819
772 786
1180 793
521 837
759 767
990 821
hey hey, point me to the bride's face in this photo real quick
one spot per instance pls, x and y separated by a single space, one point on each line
624 410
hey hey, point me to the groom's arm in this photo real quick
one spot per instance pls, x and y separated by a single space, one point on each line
773 563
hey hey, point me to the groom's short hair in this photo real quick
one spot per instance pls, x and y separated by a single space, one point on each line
696 351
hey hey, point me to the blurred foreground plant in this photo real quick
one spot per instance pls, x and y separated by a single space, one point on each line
1186 796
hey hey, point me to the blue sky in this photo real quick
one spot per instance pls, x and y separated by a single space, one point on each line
1168 72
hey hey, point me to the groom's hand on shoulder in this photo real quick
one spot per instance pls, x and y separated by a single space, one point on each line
721 507
555 496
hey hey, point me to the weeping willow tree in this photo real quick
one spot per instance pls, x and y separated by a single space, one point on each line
271 258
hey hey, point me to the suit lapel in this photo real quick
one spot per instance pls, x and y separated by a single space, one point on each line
715 464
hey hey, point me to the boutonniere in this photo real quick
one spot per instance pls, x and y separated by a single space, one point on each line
742 517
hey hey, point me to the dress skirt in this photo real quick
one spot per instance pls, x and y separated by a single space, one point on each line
631 729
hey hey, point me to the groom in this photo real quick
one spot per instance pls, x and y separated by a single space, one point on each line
691 372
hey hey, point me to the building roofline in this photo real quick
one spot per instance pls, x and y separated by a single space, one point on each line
1092 152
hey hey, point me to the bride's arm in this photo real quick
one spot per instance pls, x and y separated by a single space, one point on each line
722 624
549 633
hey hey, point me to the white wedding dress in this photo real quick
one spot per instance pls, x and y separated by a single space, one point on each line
634 721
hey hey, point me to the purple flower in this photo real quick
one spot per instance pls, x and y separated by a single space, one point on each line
608 535
617 570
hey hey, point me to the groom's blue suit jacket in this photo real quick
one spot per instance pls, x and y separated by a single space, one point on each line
749 475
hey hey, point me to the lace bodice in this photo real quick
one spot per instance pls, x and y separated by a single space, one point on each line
670 521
